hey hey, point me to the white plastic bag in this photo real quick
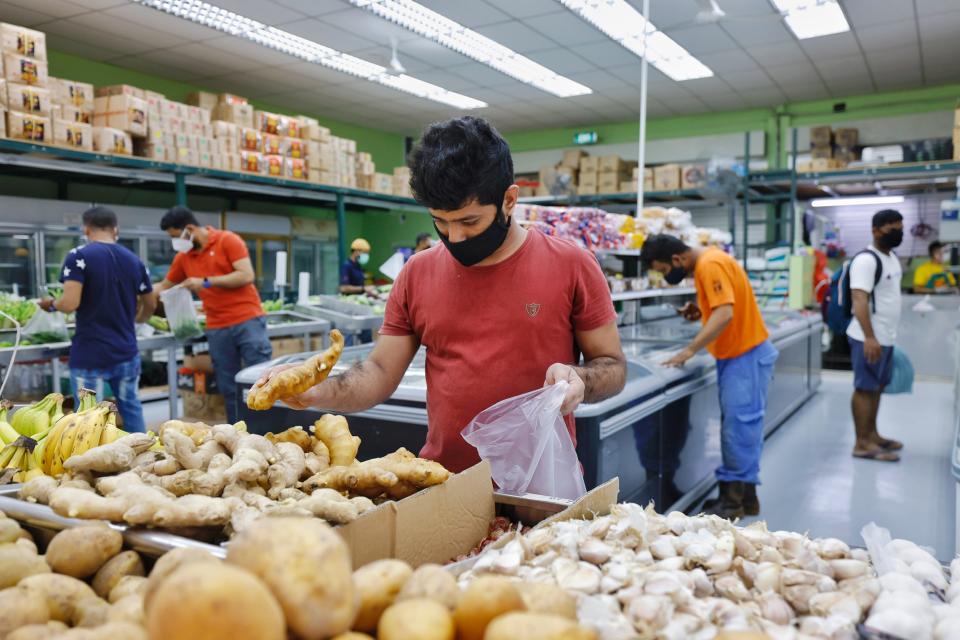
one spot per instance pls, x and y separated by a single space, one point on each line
182 317
45 327
526 442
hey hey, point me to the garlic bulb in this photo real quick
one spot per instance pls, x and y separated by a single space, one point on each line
595 551
832 549
775 609
845 569
649 613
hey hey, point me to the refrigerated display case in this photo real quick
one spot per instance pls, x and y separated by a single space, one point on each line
18 262
319 259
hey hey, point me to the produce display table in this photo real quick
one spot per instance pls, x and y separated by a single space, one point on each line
349 318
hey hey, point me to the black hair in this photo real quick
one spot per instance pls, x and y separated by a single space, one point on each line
99 217
885 217
661 247
178 218
422 236
935 246
458 161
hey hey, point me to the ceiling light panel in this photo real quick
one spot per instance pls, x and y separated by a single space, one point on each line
812 18
625 25
308 50
453 35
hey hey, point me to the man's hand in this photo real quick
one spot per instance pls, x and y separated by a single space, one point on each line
690 312
371 290
574 396
872 350
680 359
192 284
47 304
301 401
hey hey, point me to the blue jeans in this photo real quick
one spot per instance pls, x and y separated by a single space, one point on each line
743 383
235 347
124 380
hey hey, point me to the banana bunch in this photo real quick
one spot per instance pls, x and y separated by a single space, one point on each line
17 457
7 433
76 433
38 418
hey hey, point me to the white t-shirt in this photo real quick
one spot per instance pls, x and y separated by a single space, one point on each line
887 295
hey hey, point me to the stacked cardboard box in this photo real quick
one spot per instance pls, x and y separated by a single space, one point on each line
666 177
25 92
71 109
178 132
827 144
343 165
588 177
956 134
366 172
631 185
612 171
401 182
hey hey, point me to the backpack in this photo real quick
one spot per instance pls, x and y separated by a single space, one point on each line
838 305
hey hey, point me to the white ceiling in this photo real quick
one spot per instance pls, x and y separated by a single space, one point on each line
894 44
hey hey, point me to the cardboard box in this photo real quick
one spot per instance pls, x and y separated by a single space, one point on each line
72 114
273 144
273 166
821 136
153 96
590 164
846 155
818 164
119 90
224 129
588 179
239 114
248 139
27 98
587 190
232 162
821 152
608 182
110 140
203 99
274 123
297 148
666 177
251 162
24 70
229 98
628 186
26 126
3 123
159 152
295 169
23 41
3 91
186 155
616 164
693 176
956 143
286 346
572 158
845 137
76 135
69 92
204 407
125 112
310 129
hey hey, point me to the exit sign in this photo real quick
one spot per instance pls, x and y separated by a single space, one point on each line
585 137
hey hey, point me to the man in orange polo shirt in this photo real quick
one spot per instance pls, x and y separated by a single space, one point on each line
735 334
216 266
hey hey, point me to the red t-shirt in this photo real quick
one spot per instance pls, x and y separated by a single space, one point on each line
224 307
491 332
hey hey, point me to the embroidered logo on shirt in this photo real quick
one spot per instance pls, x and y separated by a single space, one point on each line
533 309
717 286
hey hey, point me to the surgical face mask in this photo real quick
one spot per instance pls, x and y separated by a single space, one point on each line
892 239
675 275
363 259
182 244
481 246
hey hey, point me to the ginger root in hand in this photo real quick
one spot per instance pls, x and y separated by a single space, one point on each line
295 380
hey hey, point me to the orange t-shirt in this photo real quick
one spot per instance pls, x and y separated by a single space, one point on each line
224 307
721 280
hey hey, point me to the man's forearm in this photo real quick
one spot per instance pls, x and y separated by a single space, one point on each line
233 280
602 377
862 313
359 388
350 288
714 326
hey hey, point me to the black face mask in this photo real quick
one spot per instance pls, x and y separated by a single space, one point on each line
676 275
892 239
481 246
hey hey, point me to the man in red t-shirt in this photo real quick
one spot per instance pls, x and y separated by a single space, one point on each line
216 266
501 310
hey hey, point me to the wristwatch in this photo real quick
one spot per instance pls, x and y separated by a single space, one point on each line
206 283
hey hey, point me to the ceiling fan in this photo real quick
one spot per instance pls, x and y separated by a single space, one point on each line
710 12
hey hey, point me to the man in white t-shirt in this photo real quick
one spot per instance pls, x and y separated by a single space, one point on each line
873 331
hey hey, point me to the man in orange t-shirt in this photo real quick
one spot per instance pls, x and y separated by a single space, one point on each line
216 266
735 334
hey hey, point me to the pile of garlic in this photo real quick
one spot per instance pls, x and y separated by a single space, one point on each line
916 600
639 574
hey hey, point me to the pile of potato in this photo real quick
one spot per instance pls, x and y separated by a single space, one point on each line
283 577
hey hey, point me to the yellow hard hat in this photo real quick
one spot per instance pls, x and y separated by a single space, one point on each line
360 245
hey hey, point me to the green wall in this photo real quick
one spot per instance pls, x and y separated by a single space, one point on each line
386 148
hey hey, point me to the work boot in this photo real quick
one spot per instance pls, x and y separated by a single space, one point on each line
751 504
729 504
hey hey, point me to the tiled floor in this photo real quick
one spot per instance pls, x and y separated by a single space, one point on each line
812 483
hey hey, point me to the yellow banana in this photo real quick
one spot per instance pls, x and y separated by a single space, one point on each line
6 455
90 433
51 444
17 457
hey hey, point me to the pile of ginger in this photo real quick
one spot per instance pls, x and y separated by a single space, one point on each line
191 475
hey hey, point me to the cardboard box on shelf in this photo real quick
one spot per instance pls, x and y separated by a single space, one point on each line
28 99
274 145
205 145
198 115
153 96
693 176
273 166
72 114
3 123
666 177
248 139
76 135
821 152
296 148
239 114
608 182
3 91
24 70
125 112
845 137
233 162
23 41
203 99
821 136
224 129
26 126
158 152
616 164
111 140
383 183
205 159
587 179
310 129
119 90
268 122
224 146
956 142
628 186
648 183
295 168
186 155
585 190
70 92
846 155
819 164
572 158
230 98
590 164
204 407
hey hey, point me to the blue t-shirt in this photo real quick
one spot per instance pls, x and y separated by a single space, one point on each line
352 273
112 277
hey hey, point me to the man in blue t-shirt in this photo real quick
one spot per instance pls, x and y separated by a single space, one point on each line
109 288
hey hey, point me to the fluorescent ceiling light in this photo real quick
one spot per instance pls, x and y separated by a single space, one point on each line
307 50
812 18
853 202
623 23
453 35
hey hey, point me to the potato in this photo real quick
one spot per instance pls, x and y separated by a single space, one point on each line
206 601
536 626
16 563
548 598
61 593
28 544
9 530
306 565
421 619
129 609
485 599
353 635
38 631
110 631
377 585
170 562
90 612
119 566
128 586
81 551
433 582
18 609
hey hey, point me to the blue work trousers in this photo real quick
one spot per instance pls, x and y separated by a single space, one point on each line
743 383
124 380
235 347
